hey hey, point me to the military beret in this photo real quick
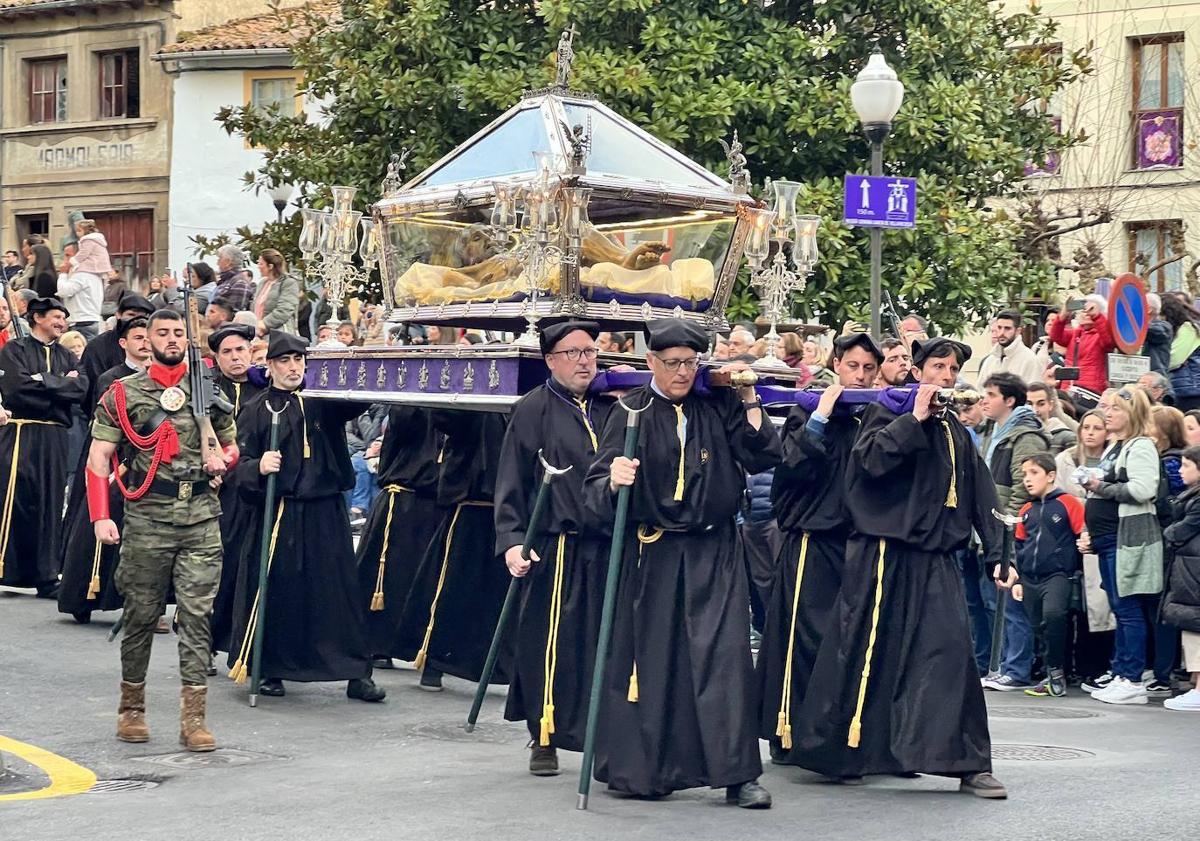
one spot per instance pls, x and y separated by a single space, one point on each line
924 350
47 304
242 331
281 344
863 340
555 333
663 333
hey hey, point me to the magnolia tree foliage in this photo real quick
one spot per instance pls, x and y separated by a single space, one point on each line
426 74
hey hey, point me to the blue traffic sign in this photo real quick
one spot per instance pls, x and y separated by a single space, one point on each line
1128 312
880 201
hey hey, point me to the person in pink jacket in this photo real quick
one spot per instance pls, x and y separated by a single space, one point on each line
92 256
1087 344
81 286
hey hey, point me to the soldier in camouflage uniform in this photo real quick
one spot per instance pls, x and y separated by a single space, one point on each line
172 522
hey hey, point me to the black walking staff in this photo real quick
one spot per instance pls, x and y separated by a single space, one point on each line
549 474
610 606
264 563
1010 523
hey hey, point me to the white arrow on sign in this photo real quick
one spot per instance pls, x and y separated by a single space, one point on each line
865 186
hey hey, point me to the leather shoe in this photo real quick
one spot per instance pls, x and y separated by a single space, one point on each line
543 761
749 795
272 687
364 689
431 680
984 785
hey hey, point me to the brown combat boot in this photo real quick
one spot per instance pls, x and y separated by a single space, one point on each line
131 715
192 733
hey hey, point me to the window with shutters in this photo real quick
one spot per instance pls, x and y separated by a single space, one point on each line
120 84
48 90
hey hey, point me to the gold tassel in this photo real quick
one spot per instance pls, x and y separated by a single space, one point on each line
632 697
679 430
94 584
855 734
377 596
952 494
784 729
550 660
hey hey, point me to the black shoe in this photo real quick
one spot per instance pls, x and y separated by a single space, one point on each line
364 689
211 671
847 780
83 617
431 680
778 754
748 796
984 785
382 663
47 591
543 762
272 687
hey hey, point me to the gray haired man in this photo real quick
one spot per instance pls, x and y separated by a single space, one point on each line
234 284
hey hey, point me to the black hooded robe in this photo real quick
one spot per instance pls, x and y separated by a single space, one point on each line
33 457
919 707
314 627
807 496
452 608
558 617
678 709
401 523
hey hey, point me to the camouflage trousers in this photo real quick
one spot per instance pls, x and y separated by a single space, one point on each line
154 556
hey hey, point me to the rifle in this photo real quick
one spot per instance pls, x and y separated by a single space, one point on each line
889 308
17 322
205 396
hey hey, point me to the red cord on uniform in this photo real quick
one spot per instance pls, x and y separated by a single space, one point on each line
97 495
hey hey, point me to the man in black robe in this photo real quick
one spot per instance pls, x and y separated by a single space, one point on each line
104 353
314 627
230 346
89 567
678 708
807 498
401 523
450 614
895 689
41 387
563 587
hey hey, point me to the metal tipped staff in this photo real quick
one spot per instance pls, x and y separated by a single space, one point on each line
264 562
1010 523
549 474
610 606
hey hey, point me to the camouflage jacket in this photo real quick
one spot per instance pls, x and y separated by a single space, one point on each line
142 403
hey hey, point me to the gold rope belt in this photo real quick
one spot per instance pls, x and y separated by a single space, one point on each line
10 491
855 734
238 672
377 596
423 654
551 658
784 728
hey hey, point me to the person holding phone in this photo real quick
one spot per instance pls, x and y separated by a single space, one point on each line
1088 344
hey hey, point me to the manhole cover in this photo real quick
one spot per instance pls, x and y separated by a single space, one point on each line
1040 712
1037 753
221 758
121 786
499 734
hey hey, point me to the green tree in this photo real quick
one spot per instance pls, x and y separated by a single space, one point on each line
426 74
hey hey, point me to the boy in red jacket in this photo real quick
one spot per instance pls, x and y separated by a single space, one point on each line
1047 561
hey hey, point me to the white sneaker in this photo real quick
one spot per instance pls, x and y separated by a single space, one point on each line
1122 691
1187 702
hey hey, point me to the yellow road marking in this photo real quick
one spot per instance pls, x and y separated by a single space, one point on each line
66 778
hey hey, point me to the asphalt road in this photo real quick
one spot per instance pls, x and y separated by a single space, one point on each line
315 765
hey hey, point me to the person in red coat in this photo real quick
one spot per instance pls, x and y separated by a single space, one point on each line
1088 344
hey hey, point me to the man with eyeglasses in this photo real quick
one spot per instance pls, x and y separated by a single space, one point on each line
563 583
809 502
678 706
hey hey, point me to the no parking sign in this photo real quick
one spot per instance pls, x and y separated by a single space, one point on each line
1128 313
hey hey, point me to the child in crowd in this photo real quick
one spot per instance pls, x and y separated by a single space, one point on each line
1181 607
1048 563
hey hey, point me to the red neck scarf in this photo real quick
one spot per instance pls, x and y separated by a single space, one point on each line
167 375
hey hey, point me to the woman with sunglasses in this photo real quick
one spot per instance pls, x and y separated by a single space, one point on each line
1123 530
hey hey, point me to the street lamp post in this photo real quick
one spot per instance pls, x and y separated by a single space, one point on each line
876 95
280 194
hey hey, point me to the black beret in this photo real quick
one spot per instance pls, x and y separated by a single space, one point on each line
243 331
555 333
281 344
134 301
923 350
663 333
863 340
47 304
124 325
